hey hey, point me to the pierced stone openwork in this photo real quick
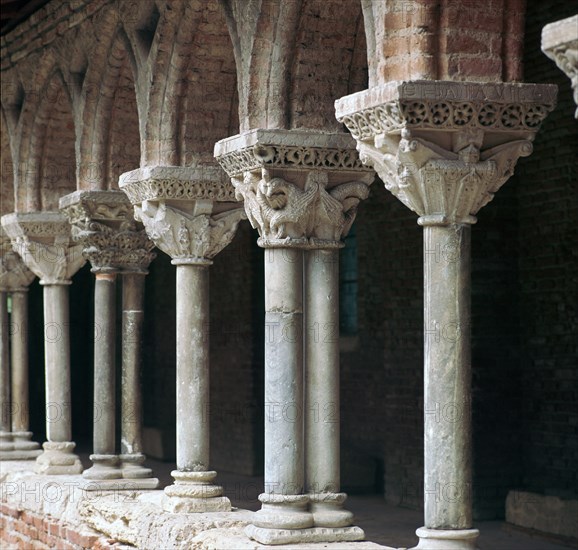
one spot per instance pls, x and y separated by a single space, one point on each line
452 146
446 105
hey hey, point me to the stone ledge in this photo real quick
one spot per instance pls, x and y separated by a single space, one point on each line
131 518
547 514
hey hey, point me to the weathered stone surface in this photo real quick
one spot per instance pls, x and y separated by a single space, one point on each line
13 272
560 43
102 221
189 213
300 189
546 513
444 149
44 242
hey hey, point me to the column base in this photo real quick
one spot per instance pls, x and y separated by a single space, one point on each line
193 492
104 467
327 510
6 443
21 448
58 459
309 535
132 468
446 539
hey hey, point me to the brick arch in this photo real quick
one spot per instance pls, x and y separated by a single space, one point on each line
6 168
208 102
324 52
110 140
47 160
457 40
167 63
263 33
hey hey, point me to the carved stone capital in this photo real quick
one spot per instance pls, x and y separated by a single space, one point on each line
189 213
445 148
14 275
102 222
560 43
300 189
44 242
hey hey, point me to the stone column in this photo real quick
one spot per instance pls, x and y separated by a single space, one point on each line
560 43
43 241
14 280
300 190
5 411
132 456
444 149
191 215
103 224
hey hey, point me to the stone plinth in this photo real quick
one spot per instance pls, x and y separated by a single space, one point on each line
113 242
444 149
301 191
44 242
191 215
560 43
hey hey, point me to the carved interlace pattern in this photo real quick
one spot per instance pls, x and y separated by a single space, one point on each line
288 216
269 156
442 186
396 115
188 239
169 188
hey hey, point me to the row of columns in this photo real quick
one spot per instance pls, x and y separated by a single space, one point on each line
443 148
15 438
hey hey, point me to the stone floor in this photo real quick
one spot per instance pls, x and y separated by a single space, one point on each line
383 524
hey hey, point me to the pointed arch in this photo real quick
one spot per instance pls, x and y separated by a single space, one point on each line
46 160
110 81
7 194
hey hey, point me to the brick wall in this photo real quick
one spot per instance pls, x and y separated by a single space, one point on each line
547 185
25 529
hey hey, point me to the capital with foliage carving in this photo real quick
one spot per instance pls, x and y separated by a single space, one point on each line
299 189
44 242
14 275
445 148
112 241
560 43
190 213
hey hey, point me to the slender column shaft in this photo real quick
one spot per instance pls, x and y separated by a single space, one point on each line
192 368
322 371
132 325
4 365
447 377
20 416
57 363
104 364
284 460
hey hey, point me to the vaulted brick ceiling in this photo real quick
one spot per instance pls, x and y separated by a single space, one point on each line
14 11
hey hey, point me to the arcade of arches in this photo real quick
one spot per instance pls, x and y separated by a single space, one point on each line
327 242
